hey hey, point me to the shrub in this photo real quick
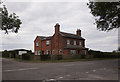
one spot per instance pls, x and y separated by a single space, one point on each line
97 54
56 57
73 56
83 56
5 53
25 56
76 56
44 57
67 57
59 57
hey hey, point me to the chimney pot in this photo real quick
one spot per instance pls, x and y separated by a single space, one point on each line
57 28
78 32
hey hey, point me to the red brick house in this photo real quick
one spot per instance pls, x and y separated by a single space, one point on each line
60 43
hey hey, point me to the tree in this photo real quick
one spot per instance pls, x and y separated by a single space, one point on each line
9 22
5 53
118 48
107 14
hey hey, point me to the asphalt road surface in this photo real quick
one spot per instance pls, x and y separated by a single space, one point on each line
80 70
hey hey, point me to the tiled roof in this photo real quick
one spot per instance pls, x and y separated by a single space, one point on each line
69 35
44 37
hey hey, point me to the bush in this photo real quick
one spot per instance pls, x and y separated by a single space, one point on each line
98 54
26 56
83 56
76 56
73 56
44 57
56 57
59 57
67 57
5 53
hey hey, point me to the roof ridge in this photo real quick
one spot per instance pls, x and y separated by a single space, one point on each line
45 36
70 35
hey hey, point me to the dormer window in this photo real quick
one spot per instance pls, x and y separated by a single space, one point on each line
37 44
74 42
68 42
47 42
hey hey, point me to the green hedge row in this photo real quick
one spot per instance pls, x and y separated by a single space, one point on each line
60 57
5 54
26 56
75 56
44 57
98 54
56 57
48 57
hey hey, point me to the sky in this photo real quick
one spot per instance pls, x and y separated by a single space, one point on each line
39 19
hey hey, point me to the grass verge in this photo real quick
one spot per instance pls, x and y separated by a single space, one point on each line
58 61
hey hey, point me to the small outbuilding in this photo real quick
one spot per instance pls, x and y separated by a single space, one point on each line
18 53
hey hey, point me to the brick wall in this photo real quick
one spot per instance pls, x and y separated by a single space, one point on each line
72 41
46 47
57 43
37 48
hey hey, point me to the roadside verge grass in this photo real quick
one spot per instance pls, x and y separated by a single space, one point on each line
58 61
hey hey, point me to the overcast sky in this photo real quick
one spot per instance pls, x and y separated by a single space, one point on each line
39 18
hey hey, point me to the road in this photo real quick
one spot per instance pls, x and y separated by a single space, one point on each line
80 70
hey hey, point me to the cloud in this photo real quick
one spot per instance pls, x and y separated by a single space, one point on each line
40 18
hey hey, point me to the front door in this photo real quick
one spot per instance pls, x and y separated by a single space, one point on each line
42 52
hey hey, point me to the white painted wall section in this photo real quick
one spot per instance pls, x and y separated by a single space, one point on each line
22 52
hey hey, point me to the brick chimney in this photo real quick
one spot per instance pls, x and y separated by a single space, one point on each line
57 28
78 32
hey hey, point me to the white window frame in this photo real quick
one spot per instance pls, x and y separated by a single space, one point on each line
80 43
39 52
47 42
35 52
60 51
47 52
72 51
74 42
84 52
37 44
22 52
68 42
53 52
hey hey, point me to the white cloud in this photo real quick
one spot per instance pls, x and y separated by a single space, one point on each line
40 18
47 1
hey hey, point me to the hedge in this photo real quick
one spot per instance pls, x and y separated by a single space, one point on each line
26 56
56 57
98 54
5 53
75 56
44 57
